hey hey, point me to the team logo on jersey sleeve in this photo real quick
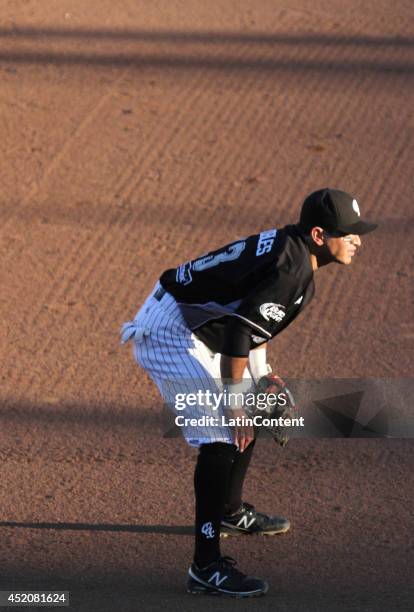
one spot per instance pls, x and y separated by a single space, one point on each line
276 312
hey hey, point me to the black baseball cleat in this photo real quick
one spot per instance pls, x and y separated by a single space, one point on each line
222 578
247 521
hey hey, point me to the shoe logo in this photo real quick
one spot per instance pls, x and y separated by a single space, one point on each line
208 530
246 522
298 301
217 578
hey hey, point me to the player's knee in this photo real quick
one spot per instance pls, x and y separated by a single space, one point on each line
214 462
215 449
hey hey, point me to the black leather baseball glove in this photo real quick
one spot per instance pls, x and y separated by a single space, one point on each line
274 402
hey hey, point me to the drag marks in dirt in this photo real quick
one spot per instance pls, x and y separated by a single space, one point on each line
94 252
202 151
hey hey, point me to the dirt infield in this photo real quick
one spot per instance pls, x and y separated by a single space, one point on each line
135 136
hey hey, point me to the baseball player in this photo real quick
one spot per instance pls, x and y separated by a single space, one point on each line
204 328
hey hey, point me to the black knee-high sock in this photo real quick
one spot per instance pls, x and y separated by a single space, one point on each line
211 482
238 473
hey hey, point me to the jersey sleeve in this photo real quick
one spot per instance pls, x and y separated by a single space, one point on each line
264 309
237 338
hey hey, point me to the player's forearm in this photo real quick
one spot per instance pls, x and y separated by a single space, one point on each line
232 368
258 365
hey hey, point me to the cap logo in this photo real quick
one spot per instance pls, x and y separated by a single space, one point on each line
356 207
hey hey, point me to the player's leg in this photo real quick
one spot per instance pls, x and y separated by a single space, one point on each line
242 518
240 465
211 481
210 572
239 469
180 365
178 362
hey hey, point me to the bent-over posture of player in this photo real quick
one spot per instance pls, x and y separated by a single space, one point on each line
206 323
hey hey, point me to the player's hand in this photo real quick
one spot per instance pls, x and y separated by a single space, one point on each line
268 387
243 434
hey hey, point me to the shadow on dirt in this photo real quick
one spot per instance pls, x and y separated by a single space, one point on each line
158 529
209 50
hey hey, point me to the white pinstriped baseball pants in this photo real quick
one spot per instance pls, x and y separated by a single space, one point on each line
179 363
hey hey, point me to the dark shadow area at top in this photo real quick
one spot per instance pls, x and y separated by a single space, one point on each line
165 53
202 37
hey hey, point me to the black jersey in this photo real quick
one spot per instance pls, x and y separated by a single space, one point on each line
243 294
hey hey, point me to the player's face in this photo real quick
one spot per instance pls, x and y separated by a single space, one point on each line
342 249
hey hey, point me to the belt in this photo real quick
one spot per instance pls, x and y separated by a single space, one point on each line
159 294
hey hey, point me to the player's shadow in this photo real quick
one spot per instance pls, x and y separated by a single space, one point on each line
157 529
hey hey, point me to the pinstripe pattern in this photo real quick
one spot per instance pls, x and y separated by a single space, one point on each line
178 362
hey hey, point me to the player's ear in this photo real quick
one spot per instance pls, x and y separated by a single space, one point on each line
317 235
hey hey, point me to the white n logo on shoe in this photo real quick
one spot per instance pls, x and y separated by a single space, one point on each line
217 578
246 522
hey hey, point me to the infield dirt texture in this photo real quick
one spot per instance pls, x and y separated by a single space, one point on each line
135 135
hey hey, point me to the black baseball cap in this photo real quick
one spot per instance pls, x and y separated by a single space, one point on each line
335 211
